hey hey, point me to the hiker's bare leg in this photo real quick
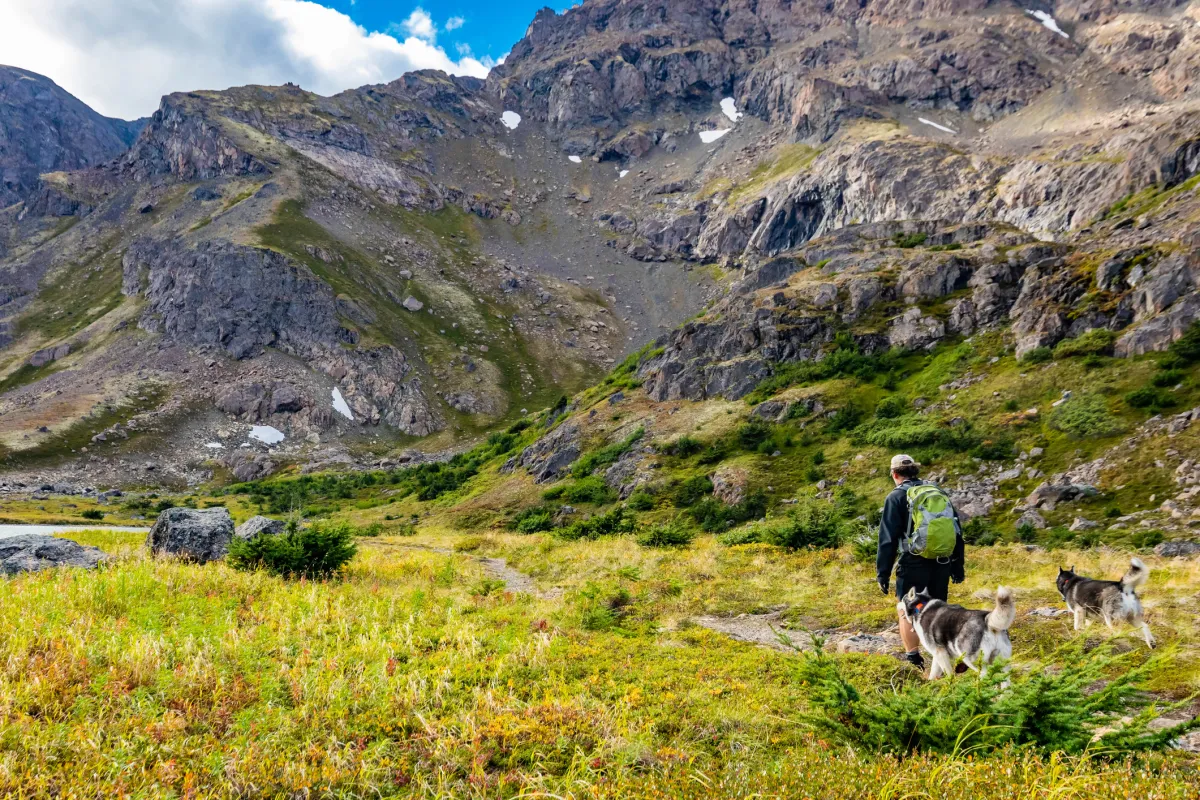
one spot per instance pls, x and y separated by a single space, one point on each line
907 634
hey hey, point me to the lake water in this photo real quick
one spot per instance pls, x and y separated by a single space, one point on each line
50 530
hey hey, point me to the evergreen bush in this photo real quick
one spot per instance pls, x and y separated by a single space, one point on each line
318 551
1049 710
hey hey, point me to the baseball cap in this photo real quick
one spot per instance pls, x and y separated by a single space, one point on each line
903 461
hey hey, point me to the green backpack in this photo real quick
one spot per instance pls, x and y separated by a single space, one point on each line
934 530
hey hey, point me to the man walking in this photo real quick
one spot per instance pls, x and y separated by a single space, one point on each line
919 522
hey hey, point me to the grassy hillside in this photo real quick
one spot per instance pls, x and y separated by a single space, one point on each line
420 673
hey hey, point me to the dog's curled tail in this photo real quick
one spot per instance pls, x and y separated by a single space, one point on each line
1138 574
1002 616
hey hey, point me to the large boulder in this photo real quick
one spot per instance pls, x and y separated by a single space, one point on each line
1166 549
192 534
259 526
34 552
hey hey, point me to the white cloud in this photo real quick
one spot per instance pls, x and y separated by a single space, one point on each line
121 56
420 25
454 23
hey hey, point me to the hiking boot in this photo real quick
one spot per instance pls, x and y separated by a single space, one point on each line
915 659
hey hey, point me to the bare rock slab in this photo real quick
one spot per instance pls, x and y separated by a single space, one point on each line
259 526
193 534
34 552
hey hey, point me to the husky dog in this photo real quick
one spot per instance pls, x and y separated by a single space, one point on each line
1111 601
950 632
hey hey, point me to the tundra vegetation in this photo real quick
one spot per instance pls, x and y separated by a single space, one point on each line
412 669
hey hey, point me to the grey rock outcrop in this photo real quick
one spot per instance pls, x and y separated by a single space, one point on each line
1167 549
549 457
259 526
33 553
199 535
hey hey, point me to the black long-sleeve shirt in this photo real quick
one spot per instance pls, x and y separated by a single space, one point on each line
895 524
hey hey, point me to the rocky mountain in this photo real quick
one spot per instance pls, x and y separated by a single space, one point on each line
45 129
416 262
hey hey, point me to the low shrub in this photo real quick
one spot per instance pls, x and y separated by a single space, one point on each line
891 407
1038 355
92 513
691 491
976 531
612 523
641 500
602 608
370 530
714 516
1186 349
318 551
606 455
672 534
1150 398
1147 539
909 240
1165 379
864 548
845 419
1096 342
811 523
752 433
683 447
1085 416
1047 710
533 520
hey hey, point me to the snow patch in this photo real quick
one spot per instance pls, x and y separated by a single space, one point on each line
1048 22
214 445
933 124
575 159
622 174
729 109
510 120
266 434
340 405
708 137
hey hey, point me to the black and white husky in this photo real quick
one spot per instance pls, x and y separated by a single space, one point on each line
950 632
1111 601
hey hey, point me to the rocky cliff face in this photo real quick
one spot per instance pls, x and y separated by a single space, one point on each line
45 129
901 171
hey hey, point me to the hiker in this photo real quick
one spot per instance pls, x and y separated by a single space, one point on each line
919 521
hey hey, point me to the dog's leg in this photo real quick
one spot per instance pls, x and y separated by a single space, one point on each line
940 664
1149 637
1078 619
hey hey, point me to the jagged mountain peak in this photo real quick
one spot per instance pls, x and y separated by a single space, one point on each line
44 128
448 251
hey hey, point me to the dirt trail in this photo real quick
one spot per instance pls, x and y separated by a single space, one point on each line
514 580
764 630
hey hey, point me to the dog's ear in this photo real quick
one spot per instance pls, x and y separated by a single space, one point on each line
925 590
1072 569
912 594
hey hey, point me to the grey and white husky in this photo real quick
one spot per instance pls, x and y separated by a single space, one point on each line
1111 601
950 632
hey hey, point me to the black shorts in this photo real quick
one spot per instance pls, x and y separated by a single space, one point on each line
922 574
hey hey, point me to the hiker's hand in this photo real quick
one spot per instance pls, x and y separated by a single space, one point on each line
883 584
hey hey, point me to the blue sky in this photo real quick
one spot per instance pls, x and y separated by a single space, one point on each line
488 27
121 57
